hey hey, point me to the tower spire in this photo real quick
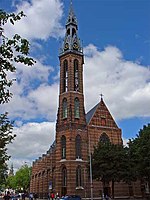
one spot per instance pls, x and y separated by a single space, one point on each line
71 5
71 41
71 16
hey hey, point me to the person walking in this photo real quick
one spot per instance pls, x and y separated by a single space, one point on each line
7 196
52 196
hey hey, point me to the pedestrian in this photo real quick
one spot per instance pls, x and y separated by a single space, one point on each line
31 196
23 196
35 196
52 196
106 197
7 196
57 196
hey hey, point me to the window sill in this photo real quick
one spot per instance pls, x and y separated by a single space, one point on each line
62 160
64 118
79 159
79 188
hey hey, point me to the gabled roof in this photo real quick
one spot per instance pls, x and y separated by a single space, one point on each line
100 113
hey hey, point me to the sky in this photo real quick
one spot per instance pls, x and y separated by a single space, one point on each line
116 41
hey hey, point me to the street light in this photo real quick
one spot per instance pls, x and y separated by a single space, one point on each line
91 179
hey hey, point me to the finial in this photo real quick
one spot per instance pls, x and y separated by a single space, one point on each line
71 6
101 96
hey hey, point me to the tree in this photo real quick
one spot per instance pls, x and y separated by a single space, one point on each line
6 137
23 177
12 51
129 169
141 146
107 163
21 180
11 182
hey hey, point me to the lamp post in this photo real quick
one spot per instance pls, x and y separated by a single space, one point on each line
91 179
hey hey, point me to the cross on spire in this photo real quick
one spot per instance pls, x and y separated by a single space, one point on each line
101 96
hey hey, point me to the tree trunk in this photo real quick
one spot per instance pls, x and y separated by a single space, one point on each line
113 189
130 189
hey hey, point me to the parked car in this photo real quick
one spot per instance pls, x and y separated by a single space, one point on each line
71 197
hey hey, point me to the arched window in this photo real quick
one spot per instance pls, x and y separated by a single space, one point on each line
64 177
104 138
73 32
78 177
65 86
63 147
76 108
76 75
68 31
64 108
78 146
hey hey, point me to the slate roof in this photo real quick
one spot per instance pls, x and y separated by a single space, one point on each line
90 114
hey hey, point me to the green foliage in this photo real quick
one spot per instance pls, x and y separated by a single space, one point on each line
21 179
11 182
12 50
141 146
130 172
6 137
107 161
112 162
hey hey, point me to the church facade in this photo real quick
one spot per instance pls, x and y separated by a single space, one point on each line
64 169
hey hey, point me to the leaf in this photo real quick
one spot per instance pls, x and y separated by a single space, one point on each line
11 21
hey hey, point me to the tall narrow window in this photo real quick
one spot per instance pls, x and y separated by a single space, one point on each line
76 108
76 75
64 108
64 177
63 147
104 138
103 121
78 177
65 86
78 146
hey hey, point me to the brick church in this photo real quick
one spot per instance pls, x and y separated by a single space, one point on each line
64 169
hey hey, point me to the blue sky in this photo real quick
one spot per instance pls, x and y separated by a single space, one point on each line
116 41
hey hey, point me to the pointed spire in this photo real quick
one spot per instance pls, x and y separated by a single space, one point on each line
71 7
71 41
71 17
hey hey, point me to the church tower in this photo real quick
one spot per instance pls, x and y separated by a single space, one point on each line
71 99
64 169
71 131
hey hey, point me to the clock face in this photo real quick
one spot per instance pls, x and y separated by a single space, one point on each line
75 46
66 46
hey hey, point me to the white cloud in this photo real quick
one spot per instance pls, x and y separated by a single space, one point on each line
28 145
33 98
45 98
42 19
38 103
125 84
